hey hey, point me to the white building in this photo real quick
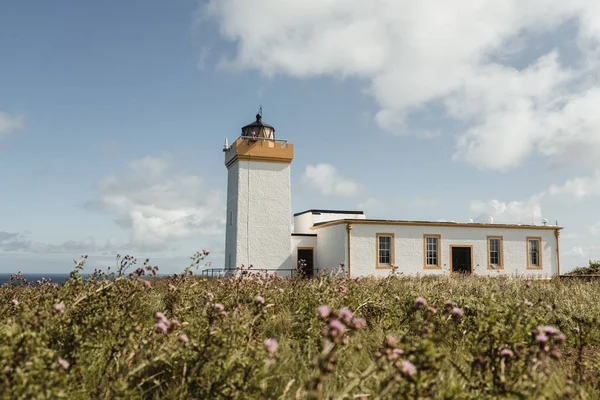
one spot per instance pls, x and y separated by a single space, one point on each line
258 232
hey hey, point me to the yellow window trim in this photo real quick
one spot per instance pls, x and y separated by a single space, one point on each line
393 251
539 239
489 264
439 253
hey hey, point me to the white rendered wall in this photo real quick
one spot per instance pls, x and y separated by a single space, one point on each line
262 214
331 247
409 249
303 222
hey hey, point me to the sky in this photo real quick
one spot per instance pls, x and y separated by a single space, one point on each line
113 117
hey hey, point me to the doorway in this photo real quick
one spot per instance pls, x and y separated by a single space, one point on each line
306 261
461 259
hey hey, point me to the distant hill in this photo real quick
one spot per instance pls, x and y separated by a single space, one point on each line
592 269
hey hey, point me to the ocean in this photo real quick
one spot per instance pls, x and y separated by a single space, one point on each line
33 278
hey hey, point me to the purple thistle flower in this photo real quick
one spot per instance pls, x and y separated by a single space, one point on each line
548 330
346 315
147 284
457 312
390 341
210 296
183 338
359 323
323 311
271 345
407 368
541 338
420 302
64 364
160 317
161 327
259 300
219 307
336 327
561 337
506 352
396 353
59 308
15 302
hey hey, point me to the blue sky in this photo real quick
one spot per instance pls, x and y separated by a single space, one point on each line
113 116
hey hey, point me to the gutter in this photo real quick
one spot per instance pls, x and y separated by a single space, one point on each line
349 229
557 236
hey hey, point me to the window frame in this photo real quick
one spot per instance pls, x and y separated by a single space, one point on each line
500 251
392 250
540 258
438 251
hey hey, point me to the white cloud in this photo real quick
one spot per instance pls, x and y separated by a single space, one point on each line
160 205
462 55
328 181
584 252
9 123
521 212
577 188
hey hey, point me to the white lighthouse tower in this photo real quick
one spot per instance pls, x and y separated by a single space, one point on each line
258 229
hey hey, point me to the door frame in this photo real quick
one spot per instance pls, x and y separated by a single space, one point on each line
313 256
470 246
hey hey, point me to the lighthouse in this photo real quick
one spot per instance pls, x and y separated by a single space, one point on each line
258 230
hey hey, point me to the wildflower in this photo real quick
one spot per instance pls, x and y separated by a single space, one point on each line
183 338
449 305
561 338
548 330
324 311
64 364
457 312
506 352
271 345
161 327
147 284
210 296
336 327
259 300
541 338
359 323
219 307
160 317
390 341
528 303
432 309
59 308
396 353
205 252
420 302
346 315
172 287
397 298
15 302
407 368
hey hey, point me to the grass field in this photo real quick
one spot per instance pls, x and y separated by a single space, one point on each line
262 337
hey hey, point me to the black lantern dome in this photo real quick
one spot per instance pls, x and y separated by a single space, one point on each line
259 129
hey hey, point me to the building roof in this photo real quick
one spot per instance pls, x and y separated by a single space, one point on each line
317 211
432 223
258 123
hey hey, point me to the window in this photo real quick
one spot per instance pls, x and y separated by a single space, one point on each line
495 250
431 251
534 254
385 250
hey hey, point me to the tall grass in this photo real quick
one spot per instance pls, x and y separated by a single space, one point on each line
134 336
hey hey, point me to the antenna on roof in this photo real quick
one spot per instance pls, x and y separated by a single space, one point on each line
260 111
545 222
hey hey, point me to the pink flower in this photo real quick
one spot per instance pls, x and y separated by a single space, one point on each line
506 352
183 338
64 364
561 337
161 327
219 307
336 327
457 312
59 308
147 284
160 317
271 345
259 300
15 302
420 302
323 311
407 368
541 338
390 341
210 296
396 353
205 252
548 330
346 315
359 323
